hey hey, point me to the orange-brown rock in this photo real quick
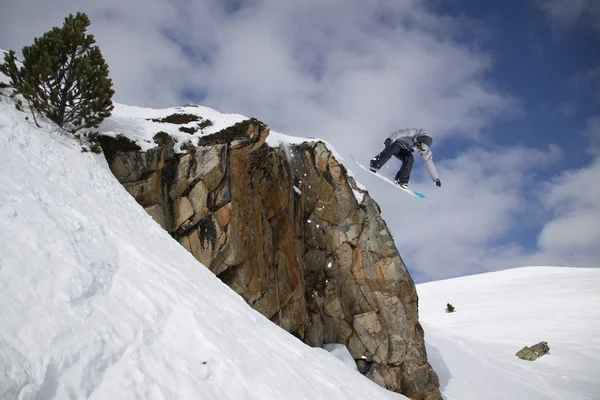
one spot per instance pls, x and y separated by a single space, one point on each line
290 236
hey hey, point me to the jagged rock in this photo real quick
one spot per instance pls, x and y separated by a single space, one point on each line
145 190
178 181
209 165
370 332
390 378
420 382
223 215
314 332
183 210
534 352
131 166
357 348
315 261
198 200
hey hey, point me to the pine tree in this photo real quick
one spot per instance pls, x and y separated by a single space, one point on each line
64 76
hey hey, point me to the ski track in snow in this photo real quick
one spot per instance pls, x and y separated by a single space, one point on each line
98 302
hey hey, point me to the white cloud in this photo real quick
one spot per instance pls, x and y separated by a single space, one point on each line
573 233
566 13
465 226
349 71
327 68
475 222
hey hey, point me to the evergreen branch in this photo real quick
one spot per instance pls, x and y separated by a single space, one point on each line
64 76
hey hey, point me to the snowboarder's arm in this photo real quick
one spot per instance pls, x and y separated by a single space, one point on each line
427 158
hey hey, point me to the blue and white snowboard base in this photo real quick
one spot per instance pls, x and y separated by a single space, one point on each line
383 178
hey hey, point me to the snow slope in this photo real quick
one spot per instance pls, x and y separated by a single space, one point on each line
498 313
98 302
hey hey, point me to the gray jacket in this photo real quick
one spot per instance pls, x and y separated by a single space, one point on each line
407 139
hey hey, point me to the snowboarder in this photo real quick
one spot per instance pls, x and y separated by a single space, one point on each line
402 144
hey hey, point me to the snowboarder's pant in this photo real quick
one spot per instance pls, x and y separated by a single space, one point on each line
404 155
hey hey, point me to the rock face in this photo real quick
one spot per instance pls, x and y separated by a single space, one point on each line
291 232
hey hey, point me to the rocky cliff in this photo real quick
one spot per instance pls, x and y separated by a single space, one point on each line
294 235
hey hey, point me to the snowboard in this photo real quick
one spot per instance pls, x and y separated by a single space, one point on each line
383 178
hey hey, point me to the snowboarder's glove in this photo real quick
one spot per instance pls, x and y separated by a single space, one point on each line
387 142
438 183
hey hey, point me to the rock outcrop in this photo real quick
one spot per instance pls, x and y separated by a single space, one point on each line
534 352
293 234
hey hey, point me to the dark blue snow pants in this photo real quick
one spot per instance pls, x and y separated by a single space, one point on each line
401 153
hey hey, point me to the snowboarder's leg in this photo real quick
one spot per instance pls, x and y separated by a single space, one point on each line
383 157
403 175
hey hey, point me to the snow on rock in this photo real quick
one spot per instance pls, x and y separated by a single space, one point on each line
359 195
98 302
276 139
473 349
136 123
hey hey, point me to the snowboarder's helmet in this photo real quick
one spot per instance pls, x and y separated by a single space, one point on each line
426 140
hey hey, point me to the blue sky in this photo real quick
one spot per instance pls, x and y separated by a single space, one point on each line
509 90
540 63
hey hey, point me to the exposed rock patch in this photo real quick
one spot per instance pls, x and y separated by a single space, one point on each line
534 352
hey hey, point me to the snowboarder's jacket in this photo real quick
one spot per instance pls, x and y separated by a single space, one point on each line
409 139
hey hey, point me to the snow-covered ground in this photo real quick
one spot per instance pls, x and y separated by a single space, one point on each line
97 301
496 314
